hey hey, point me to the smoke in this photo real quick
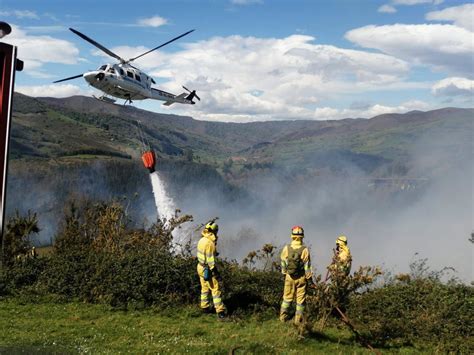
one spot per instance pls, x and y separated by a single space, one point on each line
47 188
391 221
426 210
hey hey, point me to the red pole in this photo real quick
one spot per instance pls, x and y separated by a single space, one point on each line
7 79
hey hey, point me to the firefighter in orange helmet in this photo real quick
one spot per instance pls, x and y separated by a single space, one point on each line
296 266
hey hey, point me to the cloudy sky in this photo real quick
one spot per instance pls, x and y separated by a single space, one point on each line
253 60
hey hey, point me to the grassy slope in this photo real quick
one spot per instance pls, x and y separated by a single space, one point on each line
75 327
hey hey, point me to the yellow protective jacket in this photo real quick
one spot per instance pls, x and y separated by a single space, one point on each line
296 244
344 254
206 249
344 258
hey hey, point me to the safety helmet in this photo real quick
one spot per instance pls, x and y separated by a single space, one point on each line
342 239
297 231
212 227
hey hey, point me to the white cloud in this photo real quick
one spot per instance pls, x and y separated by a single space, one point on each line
329 113
38 50
45 29
155 21
26 14
443 47
39 74
416 2
462 16
246 2
248 78
454 86
20 14
53 90
388 9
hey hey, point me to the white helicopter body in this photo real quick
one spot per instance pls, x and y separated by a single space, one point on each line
124 81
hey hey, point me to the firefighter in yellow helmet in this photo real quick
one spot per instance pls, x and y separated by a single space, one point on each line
296 266
207 271
343 257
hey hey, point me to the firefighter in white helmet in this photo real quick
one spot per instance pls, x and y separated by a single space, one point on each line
342 257
207 270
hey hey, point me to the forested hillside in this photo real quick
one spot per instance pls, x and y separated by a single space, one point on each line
361 176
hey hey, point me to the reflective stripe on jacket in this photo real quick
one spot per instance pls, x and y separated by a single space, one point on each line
206 249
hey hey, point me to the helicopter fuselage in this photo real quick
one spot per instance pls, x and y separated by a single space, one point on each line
126 82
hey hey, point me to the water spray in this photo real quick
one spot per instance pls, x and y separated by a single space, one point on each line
165 206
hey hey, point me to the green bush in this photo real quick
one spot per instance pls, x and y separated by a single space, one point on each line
17 239
99 257
21 274
423 309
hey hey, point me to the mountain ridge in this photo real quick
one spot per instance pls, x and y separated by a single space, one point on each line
42 128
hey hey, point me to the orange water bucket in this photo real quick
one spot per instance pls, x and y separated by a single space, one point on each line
149 160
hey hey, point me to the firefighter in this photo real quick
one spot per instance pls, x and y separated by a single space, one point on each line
207 270
342 257
296 266
339 271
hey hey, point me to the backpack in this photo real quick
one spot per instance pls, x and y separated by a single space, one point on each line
295 263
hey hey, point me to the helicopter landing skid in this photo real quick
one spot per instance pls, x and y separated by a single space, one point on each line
105 99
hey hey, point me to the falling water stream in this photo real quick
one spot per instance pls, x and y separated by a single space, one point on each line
166 208
164 204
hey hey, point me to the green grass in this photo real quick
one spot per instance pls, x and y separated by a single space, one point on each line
49 327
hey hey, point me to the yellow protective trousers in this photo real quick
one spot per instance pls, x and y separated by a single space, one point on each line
294 287
211 286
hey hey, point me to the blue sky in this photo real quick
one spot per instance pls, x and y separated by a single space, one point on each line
259 60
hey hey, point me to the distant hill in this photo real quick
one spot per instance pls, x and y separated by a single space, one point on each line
392 181
82 126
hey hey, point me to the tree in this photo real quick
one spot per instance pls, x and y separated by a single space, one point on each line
17 241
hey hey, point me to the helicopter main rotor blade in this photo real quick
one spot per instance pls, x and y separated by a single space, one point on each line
98 45
154 49
70 78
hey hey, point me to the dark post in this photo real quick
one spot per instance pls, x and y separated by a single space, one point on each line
8 65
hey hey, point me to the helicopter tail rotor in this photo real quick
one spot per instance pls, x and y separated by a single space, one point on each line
192 94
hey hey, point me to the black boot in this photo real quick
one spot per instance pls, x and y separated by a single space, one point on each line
221 315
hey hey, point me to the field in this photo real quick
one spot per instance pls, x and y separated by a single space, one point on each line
49 327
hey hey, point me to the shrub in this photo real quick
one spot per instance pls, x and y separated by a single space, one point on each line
17 243
99 257
418 308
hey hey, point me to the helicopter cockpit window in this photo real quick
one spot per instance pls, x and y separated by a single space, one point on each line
129 74
138 77
111 70
122 72
103 67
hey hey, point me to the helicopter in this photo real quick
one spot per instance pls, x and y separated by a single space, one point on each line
125 81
